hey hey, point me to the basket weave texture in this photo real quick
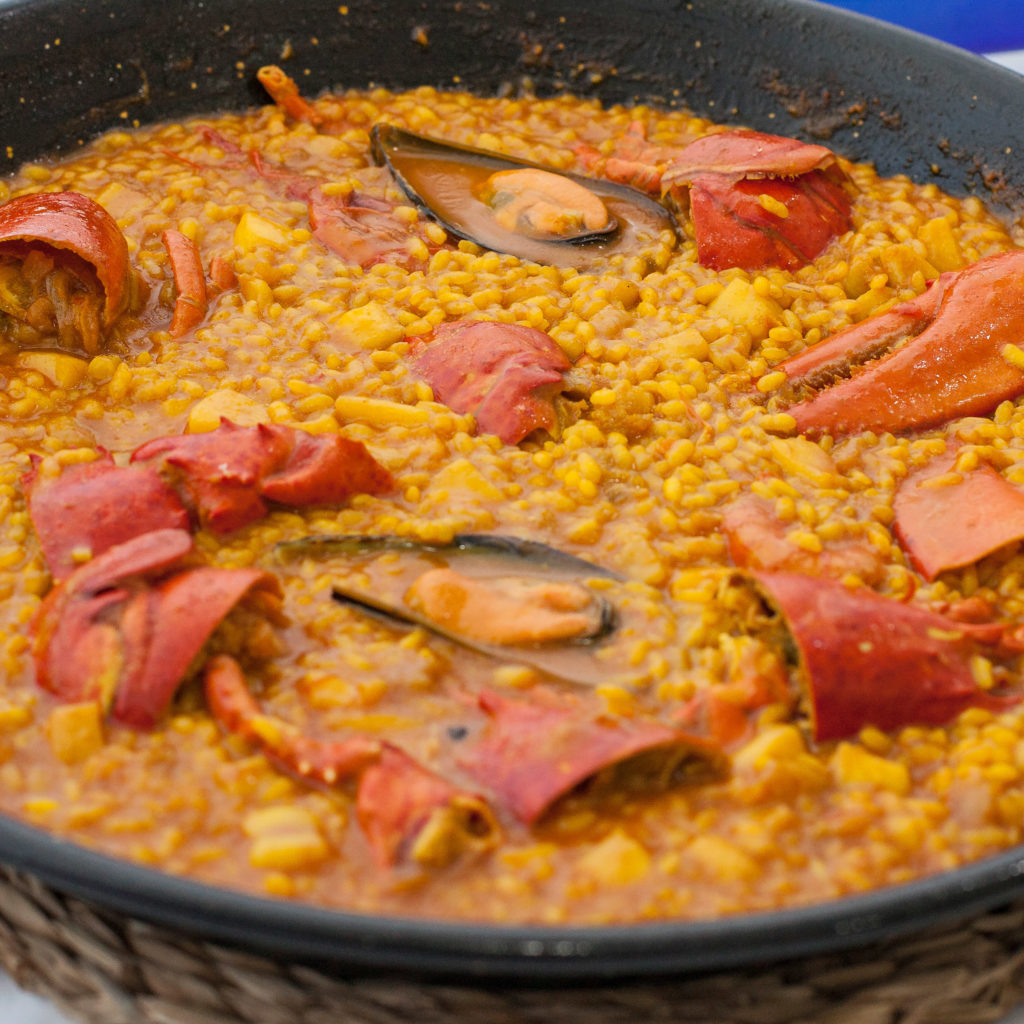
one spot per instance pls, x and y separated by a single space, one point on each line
103 968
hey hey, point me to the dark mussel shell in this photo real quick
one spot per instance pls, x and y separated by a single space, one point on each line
480 557
446 180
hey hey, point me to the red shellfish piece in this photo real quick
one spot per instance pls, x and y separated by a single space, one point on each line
324 470
872 660
227 475
727 712
760 200
504 374
757 540
285 94
747 154
181 614
955 366
634 161
533 754
191 303
315 761
734 228
95 506
819 365
74 223
120 631
407 812
360 229
946 520
76 644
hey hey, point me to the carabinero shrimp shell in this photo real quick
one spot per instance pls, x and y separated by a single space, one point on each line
518 207
508 599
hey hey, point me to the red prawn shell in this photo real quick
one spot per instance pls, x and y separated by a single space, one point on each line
228 475
872 660
95 506
952 366
729 174
124 628
533 753
746 154
504 374
77 224
957 523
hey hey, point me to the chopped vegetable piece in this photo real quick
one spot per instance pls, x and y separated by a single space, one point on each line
75 731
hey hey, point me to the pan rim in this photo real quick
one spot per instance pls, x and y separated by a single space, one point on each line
528 953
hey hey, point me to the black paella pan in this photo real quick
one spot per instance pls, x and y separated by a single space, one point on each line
70 69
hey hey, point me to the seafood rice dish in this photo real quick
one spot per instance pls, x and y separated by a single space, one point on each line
509 509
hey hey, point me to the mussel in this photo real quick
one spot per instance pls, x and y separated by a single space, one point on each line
513 600
517 207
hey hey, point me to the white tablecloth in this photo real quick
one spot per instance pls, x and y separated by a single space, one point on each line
17 1007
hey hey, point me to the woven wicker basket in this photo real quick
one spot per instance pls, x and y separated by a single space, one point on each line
102 968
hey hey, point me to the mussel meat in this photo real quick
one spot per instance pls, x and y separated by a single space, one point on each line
517 207
517 601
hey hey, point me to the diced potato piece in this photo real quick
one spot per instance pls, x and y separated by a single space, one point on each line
75 730
370 327
617 860
630 539
776 765
253 231
799 457
901 263
687 344
61 369
240 409
284 838
744 307
722 859
255 289
461 476
776 743
379 412
853 765
941 244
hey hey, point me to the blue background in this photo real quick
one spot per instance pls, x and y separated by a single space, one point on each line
981 25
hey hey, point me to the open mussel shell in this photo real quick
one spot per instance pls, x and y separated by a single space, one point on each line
448 182
482 565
